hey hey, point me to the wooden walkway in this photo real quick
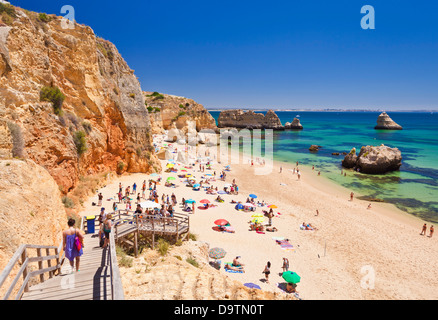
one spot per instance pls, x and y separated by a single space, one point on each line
92 282
98 277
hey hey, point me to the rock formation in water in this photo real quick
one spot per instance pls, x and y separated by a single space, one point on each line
71 101
374 160
314 148
249 120
384 122
294 125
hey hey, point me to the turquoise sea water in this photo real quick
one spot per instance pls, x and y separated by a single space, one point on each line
414 188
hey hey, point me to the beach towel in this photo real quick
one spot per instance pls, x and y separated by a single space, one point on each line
285 245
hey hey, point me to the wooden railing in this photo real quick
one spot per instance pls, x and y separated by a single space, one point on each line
24 271
116 281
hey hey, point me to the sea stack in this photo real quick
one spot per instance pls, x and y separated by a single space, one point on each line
294 125
384 122
374 160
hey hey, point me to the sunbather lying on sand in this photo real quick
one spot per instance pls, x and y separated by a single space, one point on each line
273 229
308 226
229 267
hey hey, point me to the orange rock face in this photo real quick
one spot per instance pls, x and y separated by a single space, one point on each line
103 98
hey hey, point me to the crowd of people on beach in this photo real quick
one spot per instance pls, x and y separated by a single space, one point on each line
167 205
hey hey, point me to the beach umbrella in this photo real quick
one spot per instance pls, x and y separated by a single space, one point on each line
170 178
221 192
170 165
239 206
221 222
217 253
190 201
257 215
258 219
204 201
273 206
251 285
154 174
253 196
188 175
248 204
196 185
291 277
228 185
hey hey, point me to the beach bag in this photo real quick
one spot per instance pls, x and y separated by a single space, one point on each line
78 244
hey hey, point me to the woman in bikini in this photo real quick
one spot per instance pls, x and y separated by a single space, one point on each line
267 271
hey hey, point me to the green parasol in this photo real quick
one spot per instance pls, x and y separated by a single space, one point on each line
291 277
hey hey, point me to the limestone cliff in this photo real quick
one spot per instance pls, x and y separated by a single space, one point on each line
168 111
249 119
104 104
31 211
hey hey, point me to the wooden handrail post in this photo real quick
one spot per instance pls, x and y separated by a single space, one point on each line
25 271
49 263
40 264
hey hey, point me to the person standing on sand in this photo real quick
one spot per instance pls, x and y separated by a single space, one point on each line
70 250
267 271
431 231
100 196
317 212
285 264
423 231
351 196
281 169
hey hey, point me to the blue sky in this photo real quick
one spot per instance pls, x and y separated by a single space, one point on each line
273 54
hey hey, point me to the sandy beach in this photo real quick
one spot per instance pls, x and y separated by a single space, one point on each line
355 253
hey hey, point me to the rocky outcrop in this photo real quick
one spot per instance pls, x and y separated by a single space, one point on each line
31 211
384 122
374 160
103 100
350 159
249 120
314 148
294 125
169 111
173 278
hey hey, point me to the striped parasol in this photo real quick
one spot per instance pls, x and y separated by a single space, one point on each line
217 253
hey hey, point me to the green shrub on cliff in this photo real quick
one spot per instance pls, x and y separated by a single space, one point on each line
7 13
53 95
44 17
8 9
80 142
156 95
